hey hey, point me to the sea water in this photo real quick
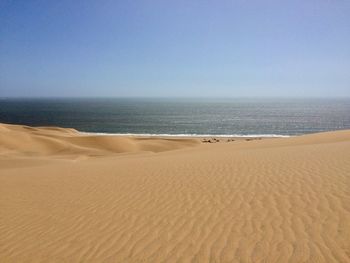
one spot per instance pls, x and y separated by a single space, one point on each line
182 116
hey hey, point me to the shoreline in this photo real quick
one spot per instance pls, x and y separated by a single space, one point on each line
161 135
200 136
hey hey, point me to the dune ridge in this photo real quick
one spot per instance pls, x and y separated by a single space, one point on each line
269 200
25 140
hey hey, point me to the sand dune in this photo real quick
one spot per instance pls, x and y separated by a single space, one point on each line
68 197
25 140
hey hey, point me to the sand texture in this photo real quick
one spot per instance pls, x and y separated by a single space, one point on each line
71 197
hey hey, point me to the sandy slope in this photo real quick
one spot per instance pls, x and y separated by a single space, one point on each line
43 141
71 198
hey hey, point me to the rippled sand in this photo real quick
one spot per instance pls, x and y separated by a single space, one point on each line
67 197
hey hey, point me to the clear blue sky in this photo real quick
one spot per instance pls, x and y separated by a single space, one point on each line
174 48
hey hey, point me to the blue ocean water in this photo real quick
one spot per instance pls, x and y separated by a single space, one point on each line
247 117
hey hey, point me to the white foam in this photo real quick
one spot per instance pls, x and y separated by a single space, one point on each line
188 135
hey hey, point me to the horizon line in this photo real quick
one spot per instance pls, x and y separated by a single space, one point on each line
175 97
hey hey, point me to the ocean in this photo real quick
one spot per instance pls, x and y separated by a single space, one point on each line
182 117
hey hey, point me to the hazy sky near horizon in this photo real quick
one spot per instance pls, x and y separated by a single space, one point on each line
174 48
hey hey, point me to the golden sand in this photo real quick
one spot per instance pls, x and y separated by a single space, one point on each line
71 197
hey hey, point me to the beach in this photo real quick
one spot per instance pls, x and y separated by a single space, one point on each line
66 196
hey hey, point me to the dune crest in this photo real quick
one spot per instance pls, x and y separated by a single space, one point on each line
34 141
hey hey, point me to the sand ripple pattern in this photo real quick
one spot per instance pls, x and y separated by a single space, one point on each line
282 200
